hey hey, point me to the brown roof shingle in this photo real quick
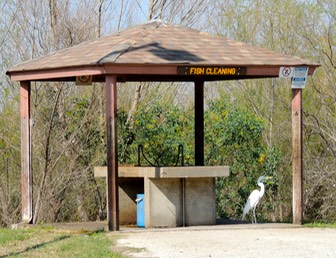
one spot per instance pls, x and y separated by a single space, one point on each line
160 43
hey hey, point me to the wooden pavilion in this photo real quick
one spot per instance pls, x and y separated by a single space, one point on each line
154 51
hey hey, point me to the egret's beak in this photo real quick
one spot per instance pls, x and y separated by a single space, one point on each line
268 177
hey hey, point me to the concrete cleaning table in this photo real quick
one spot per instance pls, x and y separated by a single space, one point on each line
174 196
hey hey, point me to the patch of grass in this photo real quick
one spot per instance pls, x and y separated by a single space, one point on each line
320 225
42 242
9 235
84 245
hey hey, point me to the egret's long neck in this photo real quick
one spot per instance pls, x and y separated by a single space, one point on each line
262 189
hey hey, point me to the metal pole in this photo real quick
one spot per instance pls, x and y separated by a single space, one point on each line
112 153
297 156
199 123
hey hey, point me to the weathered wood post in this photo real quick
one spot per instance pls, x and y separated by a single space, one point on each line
297 156
26 154
112 153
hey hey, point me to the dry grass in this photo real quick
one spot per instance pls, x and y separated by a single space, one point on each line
49 242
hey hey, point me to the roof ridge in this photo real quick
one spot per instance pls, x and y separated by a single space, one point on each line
144 35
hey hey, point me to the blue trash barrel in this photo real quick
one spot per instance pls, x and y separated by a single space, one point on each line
140 210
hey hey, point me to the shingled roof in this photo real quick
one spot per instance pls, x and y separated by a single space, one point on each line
153 44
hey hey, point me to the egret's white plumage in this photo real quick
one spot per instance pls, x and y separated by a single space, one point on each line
254 199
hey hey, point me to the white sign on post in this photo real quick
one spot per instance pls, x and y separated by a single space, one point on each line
299 77
286 72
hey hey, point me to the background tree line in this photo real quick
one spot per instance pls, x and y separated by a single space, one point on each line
247 123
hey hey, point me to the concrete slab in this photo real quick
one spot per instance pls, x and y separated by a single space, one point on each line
102 225
163 202
167 172
200 201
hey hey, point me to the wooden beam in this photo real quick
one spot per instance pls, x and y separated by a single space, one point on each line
273 71
64 73
49 74
199 123
136 71
112 153
26 154
297 156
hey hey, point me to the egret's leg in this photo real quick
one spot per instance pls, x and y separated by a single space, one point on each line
255 218
253 211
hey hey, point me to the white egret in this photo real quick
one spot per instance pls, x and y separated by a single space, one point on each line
254 199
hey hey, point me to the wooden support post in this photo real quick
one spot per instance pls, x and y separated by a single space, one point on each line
297 156
112 153
26 154
199 123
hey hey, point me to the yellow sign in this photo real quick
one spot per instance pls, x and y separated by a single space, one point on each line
211 70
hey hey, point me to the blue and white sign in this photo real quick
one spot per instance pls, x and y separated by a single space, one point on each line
299 78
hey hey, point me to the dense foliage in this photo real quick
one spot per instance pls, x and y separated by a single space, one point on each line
234 138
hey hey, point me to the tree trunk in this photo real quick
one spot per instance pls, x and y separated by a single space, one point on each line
53 22
99 18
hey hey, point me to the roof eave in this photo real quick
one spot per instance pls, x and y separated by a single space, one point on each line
61 74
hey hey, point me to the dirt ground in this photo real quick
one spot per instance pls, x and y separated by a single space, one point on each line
247 240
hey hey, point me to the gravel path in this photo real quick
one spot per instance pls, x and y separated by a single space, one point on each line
273 240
